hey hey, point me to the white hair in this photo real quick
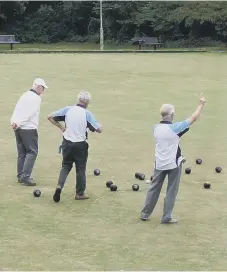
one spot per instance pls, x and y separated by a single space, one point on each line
84 97
167 110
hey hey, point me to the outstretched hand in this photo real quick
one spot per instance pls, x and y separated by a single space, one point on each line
202 99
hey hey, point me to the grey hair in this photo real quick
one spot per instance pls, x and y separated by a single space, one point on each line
167 110
84 97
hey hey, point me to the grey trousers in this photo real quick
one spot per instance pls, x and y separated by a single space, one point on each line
155 189
27 148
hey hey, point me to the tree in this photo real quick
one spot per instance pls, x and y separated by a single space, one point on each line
52 21
10 11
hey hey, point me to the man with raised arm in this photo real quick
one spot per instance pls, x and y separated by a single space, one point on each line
168 160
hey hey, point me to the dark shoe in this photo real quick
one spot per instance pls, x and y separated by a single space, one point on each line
81 197
28 182
143 216
57 195
19 180
143 219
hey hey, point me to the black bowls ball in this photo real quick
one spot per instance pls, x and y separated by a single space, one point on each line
206 185
188 171
109 183
199 161
218 169
135 187
37 193
113 187
96 172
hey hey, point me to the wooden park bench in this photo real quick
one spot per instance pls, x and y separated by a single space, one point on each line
146 41
8 39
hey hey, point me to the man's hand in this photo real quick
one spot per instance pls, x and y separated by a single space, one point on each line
202 100
63 129
197 112
56 123
99 130
14 126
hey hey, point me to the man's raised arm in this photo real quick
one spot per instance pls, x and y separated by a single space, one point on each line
198 110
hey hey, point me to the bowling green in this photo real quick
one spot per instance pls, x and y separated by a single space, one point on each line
104 232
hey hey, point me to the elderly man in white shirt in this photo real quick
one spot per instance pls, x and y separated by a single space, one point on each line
75 142
25 121
168 160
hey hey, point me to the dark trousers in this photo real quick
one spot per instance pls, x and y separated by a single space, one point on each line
27 148
74 153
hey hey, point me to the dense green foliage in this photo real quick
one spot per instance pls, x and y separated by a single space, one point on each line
191 23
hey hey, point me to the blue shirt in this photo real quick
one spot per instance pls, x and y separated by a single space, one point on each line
77 120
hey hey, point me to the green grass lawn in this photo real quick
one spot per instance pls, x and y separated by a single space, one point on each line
104 232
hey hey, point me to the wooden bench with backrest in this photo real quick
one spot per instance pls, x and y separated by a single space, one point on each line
8 39
146 41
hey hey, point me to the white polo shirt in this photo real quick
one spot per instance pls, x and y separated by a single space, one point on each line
27 110
167 137
78 120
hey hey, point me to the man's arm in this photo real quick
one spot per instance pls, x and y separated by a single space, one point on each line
58 116
198 110
180 128
56 123
93 124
